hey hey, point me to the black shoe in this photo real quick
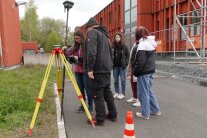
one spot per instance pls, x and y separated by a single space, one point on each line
96 123
80 109
111 118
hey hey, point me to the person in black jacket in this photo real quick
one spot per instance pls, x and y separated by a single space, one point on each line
121 60
99 65
144 67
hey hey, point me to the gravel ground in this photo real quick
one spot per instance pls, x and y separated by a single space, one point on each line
191 71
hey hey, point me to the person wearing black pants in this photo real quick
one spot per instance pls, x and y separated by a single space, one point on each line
98 63
100 88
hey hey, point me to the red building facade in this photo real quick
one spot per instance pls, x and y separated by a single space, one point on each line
111 17
158 17
10 46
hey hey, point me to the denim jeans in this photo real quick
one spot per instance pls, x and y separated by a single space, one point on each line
147 97
119 71
82 81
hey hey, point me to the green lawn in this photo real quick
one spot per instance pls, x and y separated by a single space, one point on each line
19 89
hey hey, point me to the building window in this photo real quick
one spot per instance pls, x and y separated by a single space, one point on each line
127 17
133 38
128 40
195 23
133 29
130 20
134 14
134 3
127 31
130 11
127 5
183 21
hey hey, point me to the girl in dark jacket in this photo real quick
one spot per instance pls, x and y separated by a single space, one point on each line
120 60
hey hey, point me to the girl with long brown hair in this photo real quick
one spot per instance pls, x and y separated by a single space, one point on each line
76 52
120 60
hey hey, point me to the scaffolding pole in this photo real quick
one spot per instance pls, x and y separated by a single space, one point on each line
204 29
174 31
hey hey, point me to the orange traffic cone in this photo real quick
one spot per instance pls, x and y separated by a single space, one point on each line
129 126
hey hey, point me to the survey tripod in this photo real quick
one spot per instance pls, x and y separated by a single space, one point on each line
60 61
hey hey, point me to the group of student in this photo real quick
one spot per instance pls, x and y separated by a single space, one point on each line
94 57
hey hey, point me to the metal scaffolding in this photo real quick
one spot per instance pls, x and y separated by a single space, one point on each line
200 13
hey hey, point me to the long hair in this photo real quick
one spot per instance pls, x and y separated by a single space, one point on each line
121 42
141 32
82 37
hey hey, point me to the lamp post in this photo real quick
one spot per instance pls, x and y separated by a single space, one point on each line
67 5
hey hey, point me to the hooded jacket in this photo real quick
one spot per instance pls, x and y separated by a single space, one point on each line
145 56
98 51
120 56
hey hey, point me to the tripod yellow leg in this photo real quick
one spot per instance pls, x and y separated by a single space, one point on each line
59 78
39 100
71 76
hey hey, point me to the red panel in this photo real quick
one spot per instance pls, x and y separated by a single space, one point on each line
10 33
30 46
112 17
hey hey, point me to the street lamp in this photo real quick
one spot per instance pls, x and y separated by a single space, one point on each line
67 5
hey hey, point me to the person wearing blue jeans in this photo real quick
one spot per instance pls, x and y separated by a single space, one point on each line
119 71
147 97
120 60
82 81
75 56
144 67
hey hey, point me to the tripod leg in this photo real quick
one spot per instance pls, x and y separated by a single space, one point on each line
59 77
61 83
39 99
71 76
63 92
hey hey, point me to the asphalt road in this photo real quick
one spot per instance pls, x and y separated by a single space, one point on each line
183 106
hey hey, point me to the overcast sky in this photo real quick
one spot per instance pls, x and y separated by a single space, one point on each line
80 13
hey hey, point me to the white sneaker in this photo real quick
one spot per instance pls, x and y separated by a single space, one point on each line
120 96
156 113
140 116
136 104
131 100
116 95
